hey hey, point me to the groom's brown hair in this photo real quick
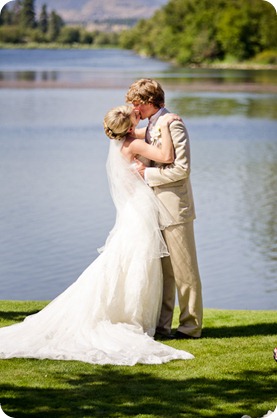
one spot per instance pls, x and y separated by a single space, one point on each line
146 91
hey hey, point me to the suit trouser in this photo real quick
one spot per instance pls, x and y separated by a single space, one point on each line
181 270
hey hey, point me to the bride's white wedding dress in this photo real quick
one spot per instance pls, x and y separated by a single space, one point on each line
108 316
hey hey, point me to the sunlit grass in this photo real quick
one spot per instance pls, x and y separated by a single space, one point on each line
233 374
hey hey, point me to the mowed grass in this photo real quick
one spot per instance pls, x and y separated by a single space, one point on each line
233 374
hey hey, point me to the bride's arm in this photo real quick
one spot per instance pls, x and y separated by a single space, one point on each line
165 154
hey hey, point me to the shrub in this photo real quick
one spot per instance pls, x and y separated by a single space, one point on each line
11 34
266 57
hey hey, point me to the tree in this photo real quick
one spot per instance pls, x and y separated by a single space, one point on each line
55 25
5 16
243 28
196 32
18 23
16 11
43 19
69 35
27 14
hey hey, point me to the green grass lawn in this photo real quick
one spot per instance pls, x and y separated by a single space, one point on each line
233 374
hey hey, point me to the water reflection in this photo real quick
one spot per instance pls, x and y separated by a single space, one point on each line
254 106
189 78
258 199
181 75
117 68
29 76
234 178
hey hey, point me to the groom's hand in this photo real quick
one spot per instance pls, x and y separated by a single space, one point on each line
140 167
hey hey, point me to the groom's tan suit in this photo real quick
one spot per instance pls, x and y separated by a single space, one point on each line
171 184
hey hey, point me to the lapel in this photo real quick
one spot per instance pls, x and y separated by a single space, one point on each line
153 123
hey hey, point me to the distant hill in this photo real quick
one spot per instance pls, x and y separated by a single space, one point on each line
87 11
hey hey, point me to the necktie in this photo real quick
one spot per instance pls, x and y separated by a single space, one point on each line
148 132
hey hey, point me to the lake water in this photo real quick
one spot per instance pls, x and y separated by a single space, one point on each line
55 208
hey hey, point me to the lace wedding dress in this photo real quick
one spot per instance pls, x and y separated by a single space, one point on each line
108 316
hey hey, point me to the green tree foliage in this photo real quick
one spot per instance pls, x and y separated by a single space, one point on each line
55 25
105 38
18 25
69 35
196 32
43 19
27 14
11 34
11 16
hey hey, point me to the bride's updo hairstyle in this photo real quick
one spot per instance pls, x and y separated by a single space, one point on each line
117 122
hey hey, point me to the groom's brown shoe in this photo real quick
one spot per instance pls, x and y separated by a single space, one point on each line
182 336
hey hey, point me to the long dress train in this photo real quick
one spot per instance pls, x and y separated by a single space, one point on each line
109 314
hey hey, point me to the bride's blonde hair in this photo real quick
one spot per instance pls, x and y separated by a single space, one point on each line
117 122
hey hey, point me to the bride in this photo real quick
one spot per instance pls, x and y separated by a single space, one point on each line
109 314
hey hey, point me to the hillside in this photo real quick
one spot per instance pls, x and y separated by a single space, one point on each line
86 11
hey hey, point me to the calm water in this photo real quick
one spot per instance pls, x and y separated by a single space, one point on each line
55 208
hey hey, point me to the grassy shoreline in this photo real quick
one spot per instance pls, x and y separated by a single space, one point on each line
233 374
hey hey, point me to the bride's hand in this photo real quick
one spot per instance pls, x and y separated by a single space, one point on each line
168 118
140 167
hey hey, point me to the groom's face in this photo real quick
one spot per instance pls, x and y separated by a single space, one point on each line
145 110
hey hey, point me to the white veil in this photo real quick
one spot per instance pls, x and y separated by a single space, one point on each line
134 200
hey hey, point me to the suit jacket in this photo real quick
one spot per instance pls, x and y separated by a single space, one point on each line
171 182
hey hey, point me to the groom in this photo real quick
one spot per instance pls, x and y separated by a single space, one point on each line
171 184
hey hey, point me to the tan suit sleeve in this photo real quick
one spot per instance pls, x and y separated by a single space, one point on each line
180 168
